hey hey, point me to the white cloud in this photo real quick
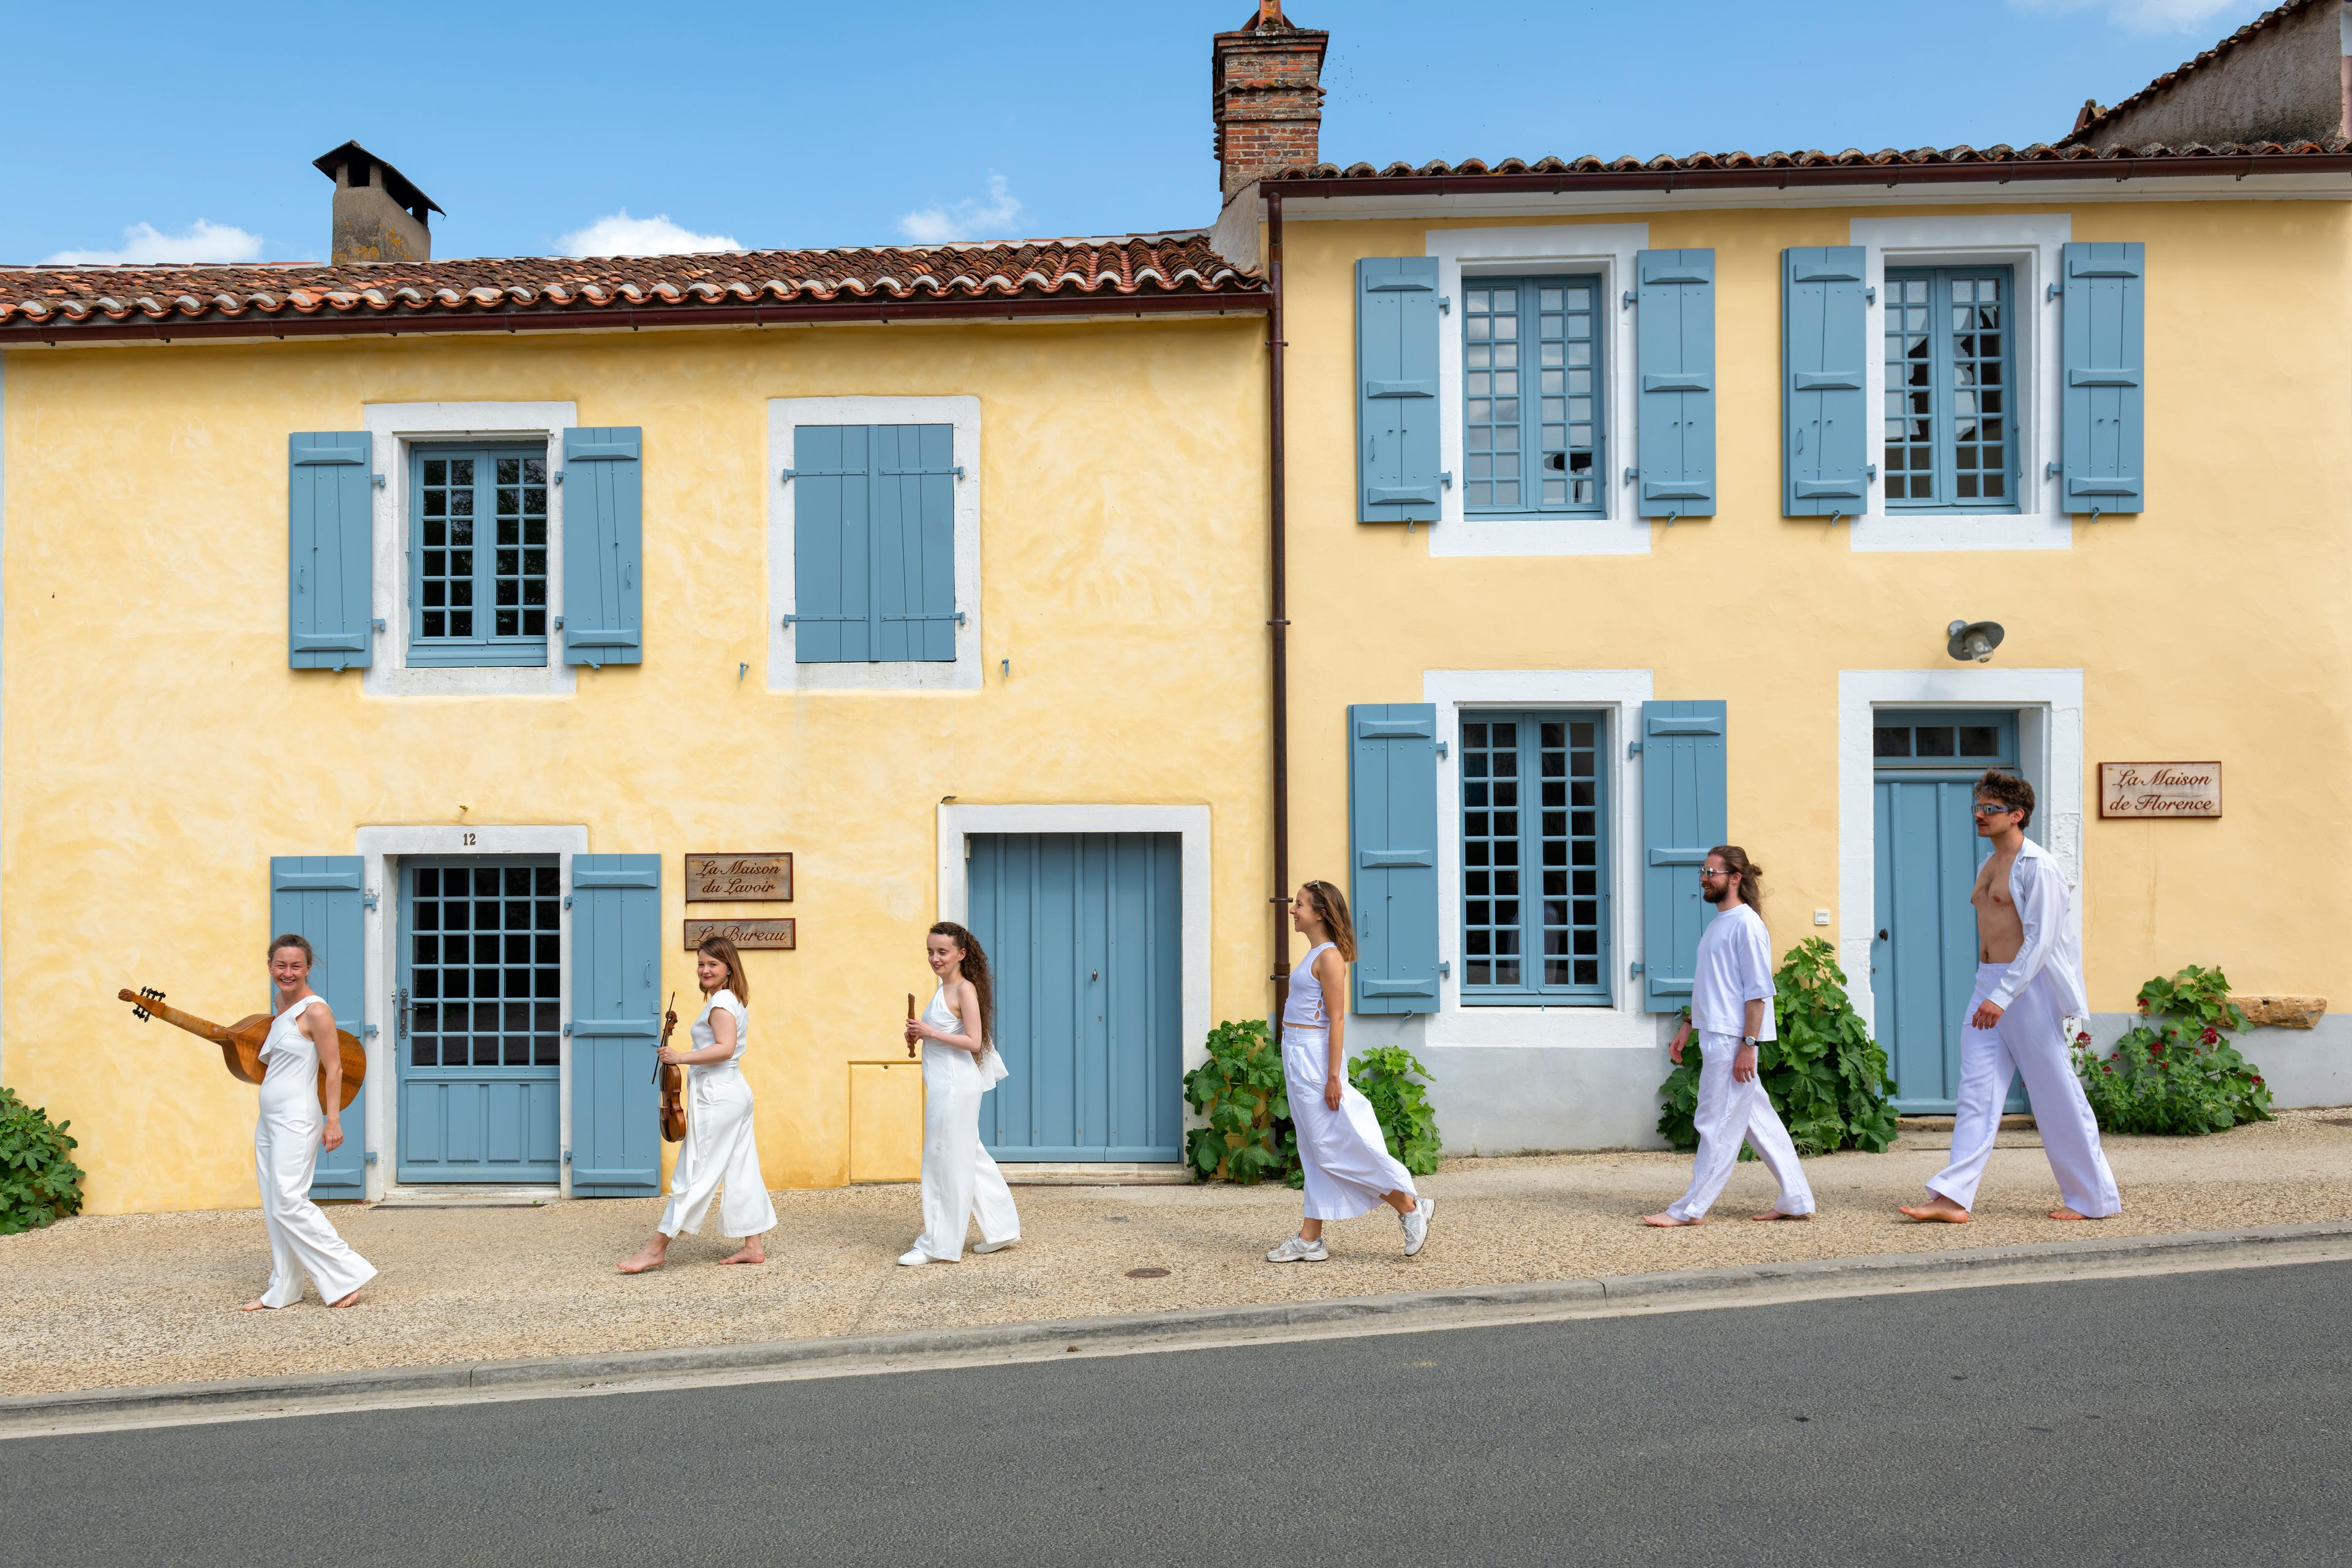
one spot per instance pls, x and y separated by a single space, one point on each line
2153 15
621 235
201 241
968 219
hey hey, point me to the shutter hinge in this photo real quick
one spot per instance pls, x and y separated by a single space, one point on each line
1444 302
788 620
1870 471
379 480
1441 748
368 1031
558 476
1870 292
1633 474
1443 969
959 615
567 1156
567 1028
2051 471
567 904
559 623
958 471
786 477
2056 289
1629 298
1445 477
1633 748
1634 968
377 623
374 1155
368 898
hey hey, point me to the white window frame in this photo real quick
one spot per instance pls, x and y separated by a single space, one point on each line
2049 704
393 430
1190 823
785 672
1534 250
381 850
2030 245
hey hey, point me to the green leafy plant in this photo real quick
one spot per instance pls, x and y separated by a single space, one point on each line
1825 1075
2176 1071
1240 1092
1394 1082
40 1183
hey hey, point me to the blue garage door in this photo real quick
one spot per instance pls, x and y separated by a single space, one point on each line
1084 931
1923 961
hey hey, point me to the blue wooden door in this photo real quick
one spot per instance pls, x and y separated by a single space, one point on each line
480 1005
1084 932
319 897
1923 957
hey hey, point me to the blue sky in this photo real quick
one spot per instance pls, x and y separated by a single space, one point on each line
828 124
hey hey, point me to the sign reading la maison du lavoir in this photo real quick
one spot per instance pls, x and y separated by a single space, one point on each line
740 876
2159 789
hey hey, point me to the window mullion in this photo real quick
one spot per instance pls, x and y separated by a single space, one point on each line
1939 383
486 556
1531 861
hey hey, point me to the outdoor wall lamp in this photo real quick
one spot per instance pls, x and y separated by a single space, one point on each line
1972 639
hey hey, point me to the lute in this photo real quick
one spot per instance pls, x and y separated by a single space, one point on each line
240 1042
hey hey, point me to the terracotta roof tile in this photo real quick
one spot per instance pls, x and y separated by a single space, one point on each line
1852 157
2271 18
1125 267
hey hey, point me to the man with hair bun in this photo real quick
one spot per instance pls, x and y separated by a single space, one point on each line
2029 982
1731 1008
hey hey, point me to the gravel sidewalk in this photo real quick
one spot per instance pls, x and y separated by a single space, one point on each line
145 1299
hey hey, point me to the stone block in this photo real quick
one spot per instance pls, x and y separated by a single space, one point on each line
2282 1012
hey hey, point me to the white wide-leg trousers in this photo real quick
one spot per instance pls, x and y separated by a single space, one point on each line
960 1176
1730 1113
2031 1038
285 1158
1349 1167
719 1152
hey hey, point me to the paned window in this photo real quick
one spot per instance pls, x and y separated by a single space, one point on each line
1531 401
1951 739
1951 410
1534 858
486 973
477 549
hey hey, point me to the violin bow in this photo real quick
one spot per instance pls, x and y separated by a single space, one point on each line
658 1063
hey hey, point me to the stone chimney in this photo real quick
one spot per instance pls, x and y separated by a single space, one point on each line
378 214
1266 96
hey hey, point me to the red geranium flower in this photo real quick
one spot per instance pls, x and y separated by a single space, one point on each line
2082 1040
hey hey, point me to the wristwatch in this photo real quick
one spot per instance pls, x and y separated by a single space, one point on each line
1746 1039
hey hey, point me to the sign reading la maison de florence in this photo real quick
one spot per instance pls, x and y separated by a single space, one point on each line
2159 789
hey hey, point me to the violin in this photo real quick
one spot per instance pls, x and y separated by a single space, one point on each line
672 1081
240 1042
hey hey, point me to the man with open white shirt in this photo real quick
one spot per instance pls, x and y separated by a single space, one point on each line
2029 982
1731 1008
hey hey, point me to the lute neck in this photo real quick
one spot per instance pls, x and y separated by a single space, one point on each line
188 1021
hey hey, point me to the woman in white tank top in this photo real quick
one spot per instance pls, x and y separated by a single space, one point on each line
1348 1165
961 1063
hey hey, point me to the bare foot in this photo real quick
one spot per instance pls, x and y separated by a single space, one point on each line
751 1252
256 1305
2067 1213
1938 1209
650 1259
1776 1214
347 1300
1666 1220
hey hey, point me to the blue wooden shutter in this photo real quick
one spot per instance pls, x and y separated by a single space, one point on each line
1675 357
1392 854
912 534
1684 815
319 898
2102 411
1824 430
330 578
615 1025
1396 370
604 546
832 558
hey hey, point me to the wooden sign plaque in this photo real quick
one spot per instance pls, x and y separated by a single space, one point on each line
742 875
746 935
2159 789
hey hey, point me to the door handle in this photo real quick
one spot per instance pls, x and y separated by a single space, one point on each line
1882 934
1093 974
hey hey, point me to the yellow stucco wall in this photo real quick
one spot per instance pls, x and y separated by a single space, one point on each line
2210 626
158 751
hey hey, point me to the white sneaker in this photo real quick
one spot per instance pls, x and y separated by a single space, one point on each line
994 1246
1416 1224
917 1258
1299 1250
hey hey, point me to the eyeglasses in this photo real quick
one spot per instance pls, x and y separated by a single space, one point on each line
1986 808
1709 874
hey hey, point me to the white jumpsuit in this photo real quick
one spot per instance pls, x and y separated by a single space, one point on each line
2036 991
285 1156
718 1147
960 1176
1347 1161
1735 968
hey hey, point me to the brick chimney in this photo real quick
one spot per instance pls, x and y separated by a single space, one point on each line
378 214
1266 96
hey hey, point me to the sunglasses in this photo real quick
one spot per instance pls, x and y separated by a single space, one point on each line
1985 808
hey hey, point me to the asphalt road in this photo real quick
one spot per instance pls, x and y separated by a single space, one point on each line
2190 1418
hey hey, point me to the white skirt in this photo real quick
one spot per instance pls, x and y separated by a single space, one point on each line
1349 1167
719 1152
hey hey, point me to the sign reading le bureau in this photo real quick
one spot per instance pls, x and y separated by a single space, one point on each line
746 935
2159 789
715 879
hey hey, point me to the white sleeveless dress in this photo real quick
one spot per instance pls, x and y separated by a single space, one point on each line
959 1177
1348 1164
718 1151
285 1157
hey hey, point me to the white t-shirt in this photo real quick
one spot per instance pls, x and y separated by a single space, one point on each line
1735 968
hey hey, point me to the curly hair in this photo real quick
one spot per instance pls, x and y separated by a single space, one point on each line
2008 792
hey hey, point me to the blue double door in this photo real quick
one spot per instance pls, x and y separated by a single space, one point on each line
1923 957
1084 933
480 1005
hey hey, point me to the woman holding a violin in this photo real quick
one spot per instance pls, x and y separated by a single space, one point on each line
719 1149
